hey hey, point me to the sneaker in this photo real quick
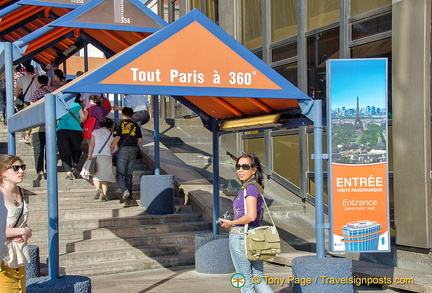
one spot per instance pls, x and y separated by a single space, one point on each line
131 203
24 140
75 171
70 177
125 196
104 198
98 194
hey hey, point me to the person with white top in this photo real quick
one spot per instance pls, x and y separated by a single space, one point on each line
100 147
139 105
27 84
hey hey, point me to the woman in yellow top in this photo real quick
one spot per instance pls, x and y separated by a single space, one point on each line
16 255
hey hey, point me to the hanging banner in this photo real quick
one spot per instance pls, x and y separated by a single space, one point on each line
357 138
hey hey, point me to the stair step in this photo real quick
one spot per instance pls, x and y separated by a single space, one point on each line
122 266
112 232
105 218
128 253
78 245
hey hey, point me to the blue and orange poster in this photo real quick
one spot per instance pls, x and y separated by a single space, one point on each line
357 136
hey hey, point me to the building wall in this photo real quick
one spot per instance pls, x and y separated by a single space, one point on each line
411 122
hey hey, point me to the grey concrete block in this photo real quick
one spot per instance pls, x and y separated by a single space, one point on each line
313 275
212 255
157 194
33 268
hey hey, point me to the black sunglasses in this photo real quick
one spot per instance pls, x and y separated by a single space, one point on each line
244 166
15 168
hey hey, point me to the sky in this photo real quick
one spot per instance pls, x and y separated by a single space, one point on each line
365 78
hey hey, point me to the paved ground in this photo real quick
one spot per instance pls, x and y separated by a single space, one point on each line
186 279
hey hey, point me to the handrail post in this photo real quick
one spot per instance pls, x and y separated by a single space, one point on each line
52 186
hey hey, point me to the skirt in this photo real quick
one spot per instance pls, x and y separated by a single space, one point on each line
105 169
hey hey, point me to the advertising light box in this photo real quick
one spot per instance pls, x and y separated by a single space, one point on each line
358 155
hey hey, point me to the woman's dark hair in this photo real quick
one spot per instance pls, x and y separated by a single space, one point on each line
255 162
59 73
106 122
96 99
5 162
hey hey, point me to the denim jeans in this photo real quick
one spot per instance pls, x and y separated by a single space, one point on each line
247 268
126 159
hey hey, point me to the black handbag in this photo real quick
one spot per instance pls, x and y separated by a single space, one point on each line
114 157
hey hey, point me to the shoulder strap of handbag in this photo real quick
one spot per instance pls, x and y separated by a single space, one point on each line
29 86
105 143
246 226
74 116
22 207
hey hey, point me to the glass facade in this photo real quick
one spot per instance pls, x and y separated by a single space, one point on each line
252 23
371 26
284 51
320 47
321 13
210 9
286 159
256 146
362 6
283 19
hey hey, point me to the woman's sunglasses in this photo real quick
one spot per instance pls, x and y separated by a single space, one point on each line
15 168
244 166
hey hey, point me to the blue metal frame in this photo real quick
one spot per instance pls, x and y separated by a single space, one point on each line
8 59
69 19
52 185
50 4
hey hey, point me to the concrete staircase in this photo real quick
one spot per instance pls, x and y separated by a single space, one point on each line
100 238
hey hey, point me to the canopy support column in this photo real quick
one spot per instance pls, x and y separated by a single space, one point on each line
116 102
52 186
156 135
9 94
215 139
319 193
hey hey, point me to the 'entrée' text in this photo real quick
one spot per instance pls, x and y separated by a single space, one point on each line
370 181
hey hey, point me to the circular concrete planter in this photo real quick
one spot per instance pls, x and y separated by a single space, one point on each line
315 275
212 254
64 284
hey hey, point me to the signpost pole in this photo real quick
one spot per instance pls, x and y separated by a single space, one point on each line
318 166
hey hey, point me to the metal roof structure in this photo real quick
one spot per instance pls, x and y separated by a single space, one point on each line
51 31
